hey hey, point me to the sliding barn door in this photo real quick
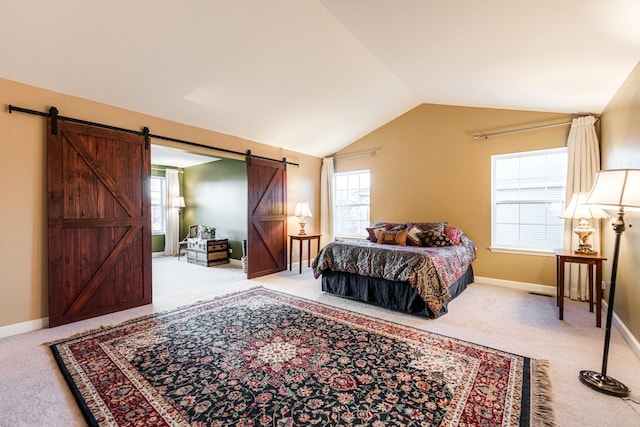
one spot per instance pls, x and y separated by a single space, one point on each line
99 222
267 231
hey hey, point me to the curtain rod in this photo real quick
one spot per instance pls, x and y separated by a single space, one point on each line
155 168
144 133
488 135
360 154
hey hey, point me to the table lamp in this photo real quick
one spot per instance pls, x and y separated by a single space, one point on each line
578 210
302 211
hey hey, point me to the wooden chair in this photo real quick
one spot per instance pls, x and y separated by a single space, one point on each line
182 244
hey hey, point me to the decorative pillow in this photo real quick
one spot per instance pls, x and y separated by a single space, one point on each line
412 235
374 231
438 226
453 233
395 226
393 238
398 227
434 238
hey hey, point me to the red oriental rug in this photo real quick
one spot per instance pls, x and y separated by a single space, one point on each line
261 357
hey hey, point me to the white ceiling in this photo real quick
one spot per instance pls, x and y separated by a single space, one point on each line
315 75
166 156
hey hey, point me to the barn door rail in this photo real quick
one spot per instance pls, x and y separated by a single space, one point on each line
53 114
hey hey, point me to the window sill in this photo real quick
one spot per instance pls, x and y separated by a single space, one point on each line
515 251
351 238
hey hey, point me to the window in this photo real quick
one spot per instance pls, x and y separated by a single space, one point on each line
352 203
528 194
158 204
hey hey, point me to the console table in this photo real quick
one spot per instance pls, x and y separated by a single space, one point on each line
592 260
301 238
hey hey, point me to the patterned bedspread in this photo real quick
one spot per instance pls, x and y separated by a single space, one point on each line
430 271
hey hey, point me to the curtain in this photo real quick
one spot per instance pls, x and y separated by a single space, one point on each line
583 153
172 232
326 201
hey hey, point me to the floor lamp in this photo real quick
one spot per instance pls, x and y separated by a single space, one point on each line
612 189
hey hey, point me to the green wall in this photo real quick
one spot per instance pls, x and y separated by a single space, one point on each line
216 194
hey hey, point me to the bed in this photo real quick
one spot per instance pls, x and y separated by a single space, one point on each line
416 268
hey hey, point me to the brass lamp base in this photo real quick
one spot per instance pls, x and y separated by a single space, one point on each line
604 384
302 232
584 231
586 250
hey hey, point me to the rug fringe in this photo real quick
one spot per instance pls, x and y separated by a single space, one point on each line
541 395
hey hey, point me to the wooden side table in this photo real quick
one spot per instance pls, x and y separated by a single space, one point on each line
301 238
563 256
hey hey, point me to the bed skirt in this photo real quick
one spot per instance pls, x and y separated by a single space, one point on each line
386 293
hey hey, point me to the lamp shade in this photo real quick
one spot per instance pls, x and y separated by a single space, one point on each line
302 210
616 188
178 202
578 210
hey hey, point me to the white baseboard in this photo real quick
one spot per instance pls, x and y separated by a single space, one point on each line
524 286
23 327
624 331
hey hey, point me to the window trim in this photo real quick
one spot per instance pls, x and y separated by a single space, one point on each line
517 250
335 205
521 251
163 205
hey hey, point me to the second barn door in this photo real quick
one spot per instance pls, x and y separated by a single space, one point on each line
267 228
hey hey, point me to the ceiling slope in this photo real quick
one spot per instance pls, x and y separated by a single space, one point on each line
313 76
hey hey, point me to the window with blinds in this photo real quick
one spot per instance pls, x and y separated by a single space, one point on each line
351 196
158 204
528 196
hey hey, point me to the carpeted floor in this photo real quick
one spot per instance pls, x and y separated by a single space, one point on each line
34 393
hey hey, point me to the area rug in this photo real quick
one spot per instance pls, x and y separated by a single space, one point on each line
261 357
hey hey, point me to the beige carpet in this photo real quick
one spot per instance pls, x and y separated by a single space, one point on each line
33 392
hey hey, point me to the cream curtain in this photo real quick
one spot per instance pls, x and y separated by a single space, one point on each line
326 201
172 232
583 153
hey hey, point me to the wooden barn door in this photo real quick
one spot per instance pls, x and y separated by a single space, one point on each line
267 231
99 222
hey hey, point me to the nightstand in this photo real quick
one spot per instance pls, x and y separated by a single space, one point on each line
592 260
301 238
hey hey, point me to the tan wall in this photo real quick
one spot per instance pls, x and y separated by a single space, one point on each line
23 217
620 146
429 167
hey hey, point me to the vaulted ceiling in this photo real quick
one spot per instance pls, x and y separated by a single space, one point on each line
315 75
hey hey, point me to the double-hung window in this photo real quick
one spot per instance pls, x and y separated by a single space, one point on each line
352 199
528 195
158 204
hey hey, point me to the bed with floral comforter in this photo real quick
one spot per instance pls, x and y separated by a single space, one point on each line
409 278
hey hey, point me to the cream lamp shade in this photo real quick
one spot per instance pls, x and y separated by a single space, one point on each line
616 188
578 210
302 211
178 202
